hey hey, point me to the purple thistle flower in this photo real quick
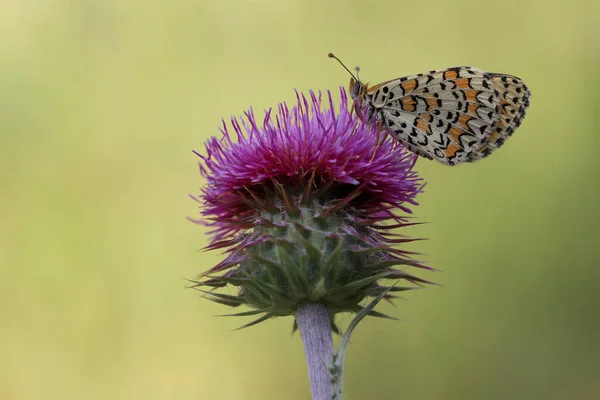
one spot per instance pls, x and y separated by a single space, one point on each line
305 210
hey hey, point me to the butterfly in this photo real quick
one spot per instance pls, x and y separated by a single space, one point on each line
453 115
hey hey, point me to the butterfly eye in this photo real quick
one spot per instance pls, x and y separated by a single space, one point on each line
355 88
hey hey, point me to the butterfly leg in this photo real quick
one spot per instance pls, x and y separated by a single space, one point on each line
354 128
380 128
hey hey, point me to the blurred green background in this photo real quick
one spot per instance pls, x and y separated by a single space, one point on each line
101 104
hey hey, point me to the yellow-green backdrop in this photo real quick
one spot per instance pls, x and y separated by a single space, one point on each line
101 104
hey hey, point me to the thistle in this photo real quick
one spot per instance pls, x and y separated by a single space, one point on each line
304 206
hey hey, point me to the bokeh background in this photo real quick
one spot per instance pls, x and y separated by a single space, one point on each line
101 104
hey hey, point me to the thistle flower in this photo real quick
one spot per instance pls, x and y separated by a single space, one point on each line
304 209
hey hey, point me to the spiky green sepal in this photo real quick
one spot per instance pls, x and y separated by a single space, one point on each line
306 249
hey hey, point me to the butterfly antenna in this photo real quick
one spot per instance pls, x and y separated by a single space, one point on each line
331 55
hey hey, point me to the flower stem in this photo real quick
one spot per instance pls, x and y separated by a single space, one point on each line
315 330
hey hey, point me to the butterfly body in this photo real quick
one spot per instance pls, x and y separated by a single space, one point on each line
453 115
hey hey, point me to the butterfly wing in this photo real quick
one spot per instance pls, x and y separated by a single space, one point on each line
514 100
450 115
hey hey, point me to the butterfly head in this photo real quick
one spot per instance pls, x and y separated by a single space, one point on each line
358 90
